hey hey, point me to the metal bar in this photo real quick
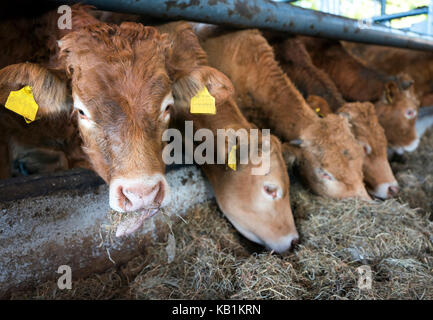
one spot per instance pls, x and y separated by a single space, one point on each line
285 1
399 15
269 15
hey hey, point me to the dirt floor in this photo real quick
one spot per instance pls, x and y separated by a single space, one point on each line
205 258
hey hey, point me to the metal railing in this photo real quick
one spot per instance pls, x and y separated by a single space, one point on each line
269 15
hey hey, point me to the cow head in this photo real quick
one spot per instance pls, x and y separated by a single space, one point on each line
257 205
397 112
378 175
329 158
122 97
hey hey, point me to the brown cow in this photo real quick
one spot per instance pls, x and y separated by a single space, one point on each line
394 98
378 175
328 155
121 79
322 93
365 125
257 205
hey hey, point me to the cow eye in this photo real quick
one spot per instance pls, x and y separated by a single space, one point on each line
410 114
82 114
166 106
324 175
166 113
366 147
271 191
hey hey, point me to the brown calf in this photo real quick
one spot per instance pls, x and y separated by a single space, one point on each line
121 79
394 98
378 175
322 93
257 205
327 153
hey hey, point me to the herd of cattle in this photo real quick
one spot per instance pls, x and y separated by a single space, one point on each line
107 91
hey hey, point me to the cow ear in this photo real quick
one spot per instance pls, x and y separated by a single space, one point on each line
49 91
319 105
290 153
218 85
390 92
186 64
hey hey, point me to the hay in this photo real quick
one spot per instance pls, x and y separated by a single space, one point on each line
205 258
414 173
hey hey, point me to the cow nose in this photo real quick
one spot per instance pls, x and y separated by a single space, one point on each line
137 194
393 191
386 190
285 243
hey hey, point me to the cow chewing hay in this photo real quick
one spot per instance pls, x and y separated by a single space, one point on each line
205 258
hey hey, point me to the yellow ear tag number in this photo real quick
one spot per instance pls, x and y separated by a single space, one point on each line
23 103
203 102
232 158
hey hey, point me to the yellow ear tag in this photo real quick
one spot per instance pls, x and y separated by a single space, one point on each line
388 97
23 103
318 113
232 158
203 102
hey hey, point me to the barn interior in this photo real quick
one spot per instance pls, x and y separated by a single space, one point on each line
190 250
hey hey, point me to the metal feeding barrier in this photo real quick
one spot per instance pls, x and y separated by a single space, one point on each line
270 15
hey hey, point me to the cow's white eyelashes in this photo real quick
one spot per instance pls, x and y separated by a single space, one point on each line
166 106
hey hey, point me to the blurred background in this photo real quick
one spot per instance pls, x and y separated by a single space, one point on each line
365 9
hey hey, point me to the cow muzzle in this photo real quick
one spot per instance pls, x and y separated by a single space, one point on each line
144 193
411 147
386 190
284 243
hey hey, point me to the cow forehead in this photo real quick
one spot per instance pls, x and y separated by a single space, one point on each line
105 94
332 131
366 127
332 146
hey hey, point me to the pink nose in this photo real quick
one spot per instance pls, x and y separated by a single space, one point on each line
393 191
285 243
131 195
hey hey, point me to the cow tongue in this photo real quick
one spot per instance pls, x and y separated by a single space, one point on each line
132 224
